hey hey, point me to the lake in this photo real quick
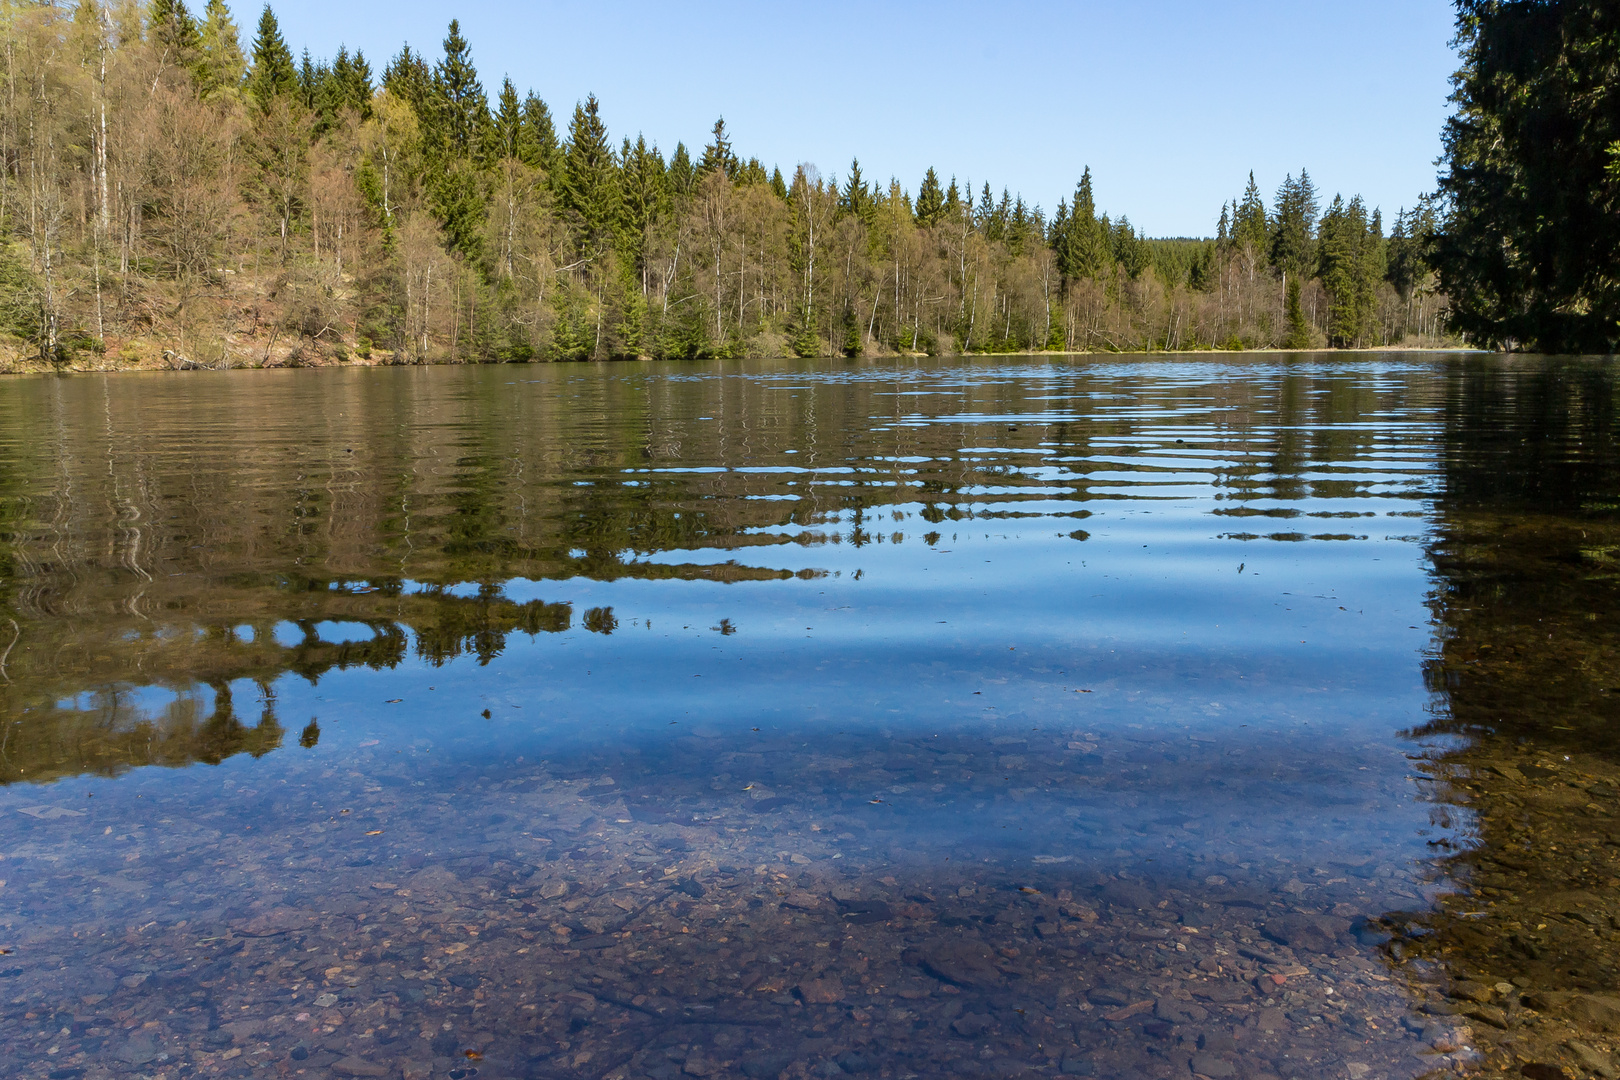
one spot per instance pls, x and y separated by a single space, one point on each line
1127 717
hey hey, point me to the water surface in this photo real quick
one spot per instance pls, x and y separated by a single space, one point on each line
975 717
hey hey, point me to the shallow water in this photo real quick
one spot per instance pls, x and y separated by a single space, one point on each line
980 717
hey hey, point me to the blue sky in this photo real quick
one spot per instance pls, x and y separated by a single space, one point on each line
1171 102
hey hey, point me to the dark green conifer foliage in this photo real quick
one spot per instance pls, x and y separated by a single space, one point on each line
855 199
682 176
645 202
1128 248
309 80
172 28
589 190
1293 226
507 127
342 86
1250 229
1409 247
273 73
1529 253
1060 238
851 343
1082 246
1203 275
349 84
718 156
1350 264
538 148
930 199
460 105
778 184
409 78
1299 330
221 65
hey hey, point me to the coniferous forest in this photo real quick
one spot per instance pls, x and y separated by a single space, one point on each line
177 191
1530 248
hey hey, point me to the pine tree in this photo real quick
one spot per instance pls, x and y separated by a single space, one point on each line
273 73
930 199
588 190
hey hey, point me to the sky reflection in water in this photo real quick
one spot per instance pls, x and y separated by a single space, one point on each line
781 718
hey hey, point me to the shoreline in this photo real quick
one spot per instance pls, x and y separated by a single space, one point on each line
40 368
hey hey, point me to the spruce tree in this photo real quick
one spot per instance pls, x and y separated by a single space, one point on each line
718 156
173 30
1299 331
1532 237
644 201
507 127
539 149
459 103
1250 228
409 78
930 199
358 81
855 199
1088 244
1060 238
345 85
588 190
682 175
1338 255
1293 226
310 77
779 184
273 73
222 65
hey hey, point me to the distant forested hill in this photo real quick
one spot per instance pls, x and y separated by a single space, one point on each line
171 196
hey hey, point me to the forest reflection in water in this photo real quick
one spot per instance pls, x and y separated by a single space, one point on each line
795 719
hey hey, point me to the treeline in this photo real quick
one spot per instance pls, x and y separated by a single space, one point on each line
169 194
